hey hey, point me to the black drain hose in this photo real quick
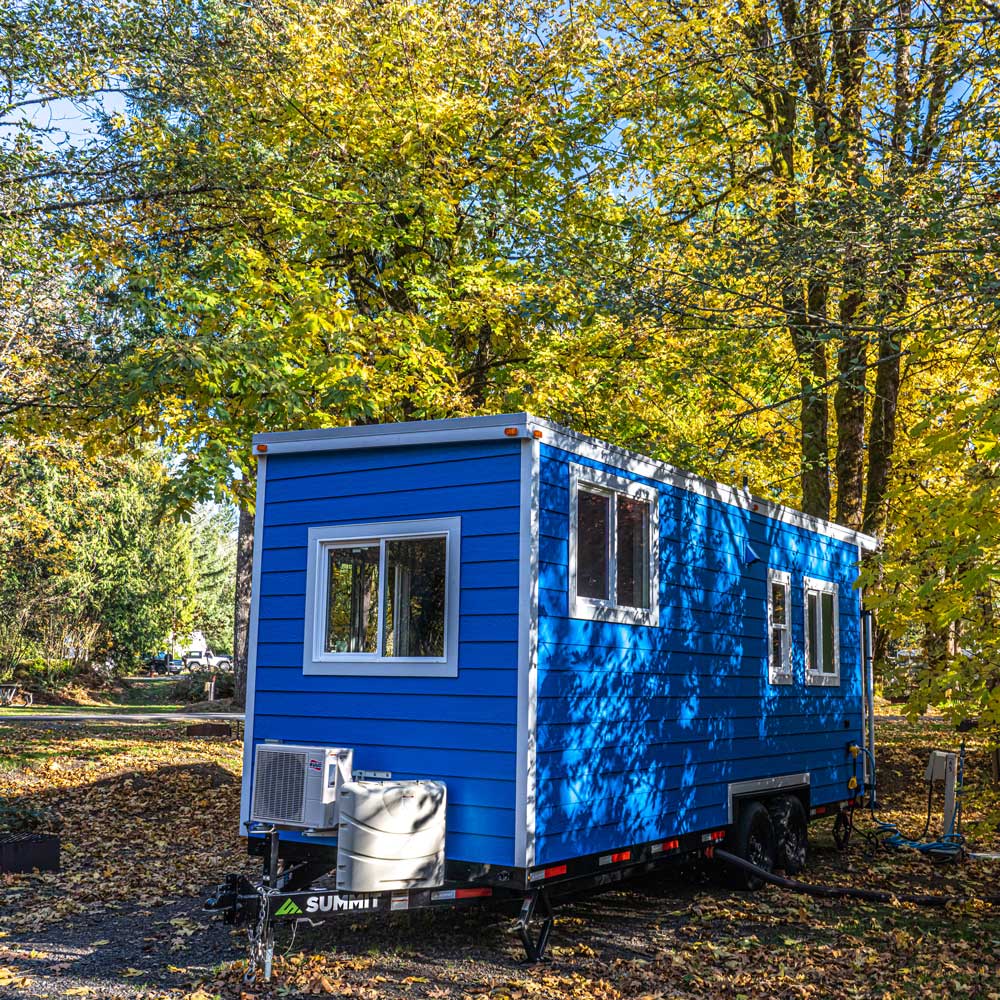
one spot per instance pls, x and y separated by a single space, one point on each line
845 891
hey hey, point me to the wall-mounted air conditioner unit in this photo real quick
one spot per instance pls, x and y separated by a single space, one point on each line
298 786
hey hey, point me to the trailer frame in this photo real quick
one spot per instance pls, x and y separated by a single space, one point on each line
291 889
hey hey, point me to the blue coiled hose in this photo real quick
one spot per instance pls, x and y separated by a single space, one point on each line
951 844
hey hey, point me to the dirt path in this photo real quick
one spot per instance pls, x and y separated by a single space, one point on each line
133 954
120 954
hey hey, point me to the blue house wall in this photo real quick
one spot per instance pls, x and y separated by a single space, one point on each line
559 736
461 729
640 729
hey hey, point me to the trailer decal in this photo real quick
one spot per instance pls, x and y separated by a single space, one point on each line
332 901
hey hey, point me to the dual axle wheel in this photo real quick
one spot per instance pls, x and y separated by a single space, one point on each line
771 834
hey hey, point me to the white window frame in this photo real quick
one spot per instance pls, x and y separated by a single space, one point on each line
779 673
812 584
315 658
598 481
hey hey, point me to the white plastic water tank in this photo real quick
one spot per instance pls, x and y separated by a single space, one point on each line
391 835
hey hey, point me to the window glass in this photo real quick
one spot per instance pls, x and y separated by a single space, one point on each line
352 609
593 544
778 603
829 667
777 651
812 627
632 583
414 597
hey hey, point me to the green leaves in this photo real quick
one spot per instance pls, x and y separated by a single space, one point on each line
357 214
92 563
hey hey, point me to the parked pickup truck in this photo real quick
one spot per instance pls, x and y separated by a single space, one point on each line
205 659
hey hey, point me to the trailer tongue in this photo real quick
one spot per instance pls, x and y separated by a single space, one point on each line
297 893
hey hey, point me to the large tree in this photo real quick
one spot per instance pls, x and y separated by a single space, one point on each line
755 240
313 214
835 166
92 563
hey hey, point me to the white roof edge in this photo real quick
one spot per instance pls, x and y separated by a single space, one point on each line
492 427
651 468
282 441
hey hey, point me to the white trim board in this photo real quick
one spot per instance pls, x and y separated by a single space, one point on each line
867 692
521 425
650 468
527 658
407 433
252 629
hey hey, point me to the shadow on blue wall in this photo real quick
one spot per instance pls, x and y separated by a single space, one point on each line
641 729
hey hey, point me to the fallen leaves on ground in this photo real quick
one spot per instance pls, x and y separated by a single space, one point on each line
146 816
149 816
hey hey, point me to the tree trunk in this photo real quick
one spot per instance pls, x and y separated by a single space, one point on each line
241 618
882 437
849 410
802 312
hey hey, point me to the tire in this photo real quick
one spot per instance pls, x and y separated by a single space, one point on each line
791 831
224 665
754 841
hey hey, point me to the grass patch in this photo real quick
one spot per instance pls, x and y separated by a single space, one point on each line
133 695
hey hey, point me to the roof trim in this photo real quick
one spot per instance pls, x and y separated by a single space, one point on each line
390 435
587 447
485 428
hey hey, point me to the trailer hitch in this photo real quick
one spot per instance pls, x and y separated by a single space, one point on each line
236 899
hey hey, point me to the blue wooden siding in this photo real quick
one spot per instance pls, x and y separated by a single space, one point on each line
461 730
641 729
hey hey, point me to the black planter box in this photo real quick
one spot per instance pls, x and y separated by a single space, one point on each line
23 852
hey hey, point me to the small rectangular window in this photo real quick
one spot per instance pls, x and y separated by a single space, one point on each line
779 665
414 597
613 548
382 599
633 553
828 665
593 548
352 604
822 632
812 631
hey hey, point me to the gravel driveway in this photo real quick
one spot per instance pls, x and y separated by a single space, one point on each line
123 953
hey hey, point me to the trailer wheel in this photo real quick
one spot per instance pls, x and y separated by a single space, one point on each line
788 818
754 842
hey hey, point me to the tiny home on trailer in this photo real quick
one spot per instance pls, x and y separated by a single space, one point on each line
493 652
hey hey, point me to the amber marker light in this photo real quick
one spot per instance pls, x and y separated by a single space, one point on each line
261 448
511 432
537 435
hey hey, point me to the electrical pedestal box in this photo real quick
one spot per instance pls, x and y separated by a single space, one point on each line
391 835
943 766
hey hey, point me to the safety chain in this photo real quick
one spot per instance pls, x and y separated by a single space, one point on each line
260 934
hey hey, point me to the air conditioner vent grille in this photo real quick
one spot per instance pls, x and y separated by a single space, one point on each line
279 786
